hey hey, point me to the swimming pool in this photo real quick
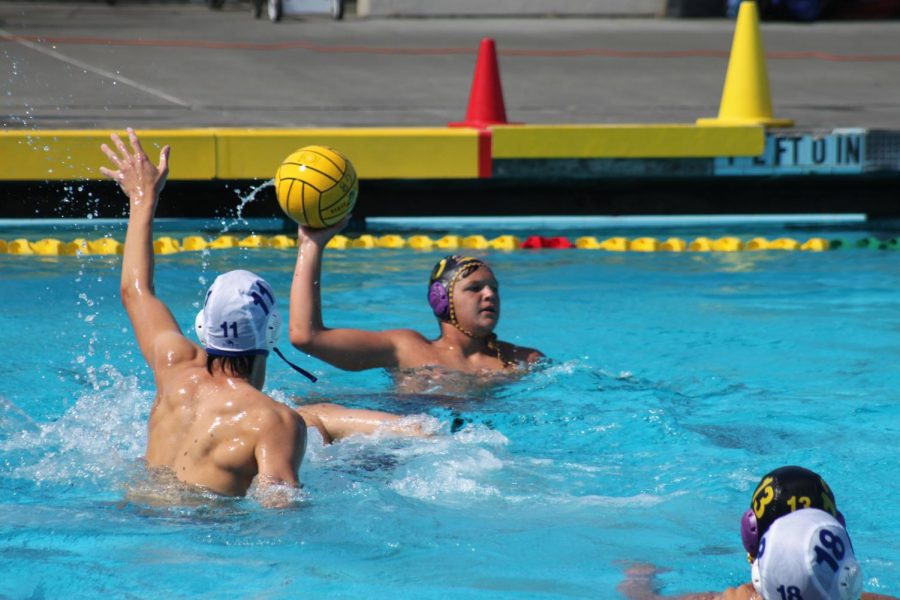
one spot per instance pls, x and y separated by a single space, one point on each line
677 380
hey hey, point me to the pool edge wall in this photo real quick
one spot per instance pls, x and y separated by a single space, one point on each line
377 153
510 169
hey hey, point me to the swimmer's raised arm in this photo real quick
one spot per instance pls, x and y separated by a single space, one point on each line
350 349
142 182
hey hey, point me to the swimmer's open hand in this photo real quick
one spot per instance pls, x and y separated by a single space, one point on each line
136 174
320 237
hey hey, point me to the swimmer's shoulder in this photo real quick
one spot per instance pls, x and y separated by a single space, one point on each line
411 349
249 398
283 414
172 350
521 354
406 335
265 418
407 340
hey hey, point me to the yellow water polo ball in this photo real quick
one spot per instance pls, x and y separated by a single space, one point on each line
316 186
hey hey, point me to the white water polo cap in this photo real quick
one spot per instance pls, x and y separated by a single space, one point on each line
807 555
238 317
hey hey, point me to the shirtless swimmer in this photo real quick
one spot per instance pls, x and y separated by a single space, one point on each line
464 296
210 423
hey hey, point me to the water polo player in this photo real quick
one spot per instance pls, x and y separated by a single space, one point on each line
797 543
463 294
779 493
210 423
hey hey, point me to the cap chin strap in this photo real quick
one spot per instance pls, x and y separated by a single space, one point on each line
297 368
489 339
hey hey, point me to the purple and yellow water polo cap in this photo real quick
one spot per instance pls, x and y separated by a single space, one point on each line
444 276
781 492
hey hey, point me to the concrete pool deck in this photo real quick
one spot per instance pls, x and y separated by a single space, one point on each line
81 65
239 92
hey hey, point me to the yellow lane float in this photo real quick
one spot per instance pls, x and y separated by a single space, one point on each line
643 244
194 243
505 242
106 246
364 241
77 247
340 242
166 245
448 242
614 244
254 241
282 242
420 242
46 247
673 245
223 241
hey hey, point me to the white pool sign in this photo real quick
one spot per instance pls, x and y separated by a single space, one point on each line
841 152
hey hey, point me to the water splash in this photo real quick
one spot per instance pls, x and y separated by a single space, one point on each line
449 477
226 226
243 201
14 420
94 442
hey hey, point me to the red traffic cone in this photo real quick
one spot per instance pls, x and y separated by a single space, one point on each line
486 98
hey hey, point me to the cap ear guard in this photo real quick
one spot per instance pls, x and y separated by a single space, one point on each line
750 532
439 300
199 329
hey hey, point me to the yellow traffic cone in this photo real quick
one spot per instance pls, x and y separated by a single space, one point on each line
745 97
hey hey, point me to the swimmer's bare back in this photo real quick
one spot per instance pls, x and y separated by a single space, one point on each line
209 429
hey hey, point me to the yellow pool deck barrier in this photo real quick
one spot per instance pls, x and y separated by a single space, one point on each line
508 242
377 153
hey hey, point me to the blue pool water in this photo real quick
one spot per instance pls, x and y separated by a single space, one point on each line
676 381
